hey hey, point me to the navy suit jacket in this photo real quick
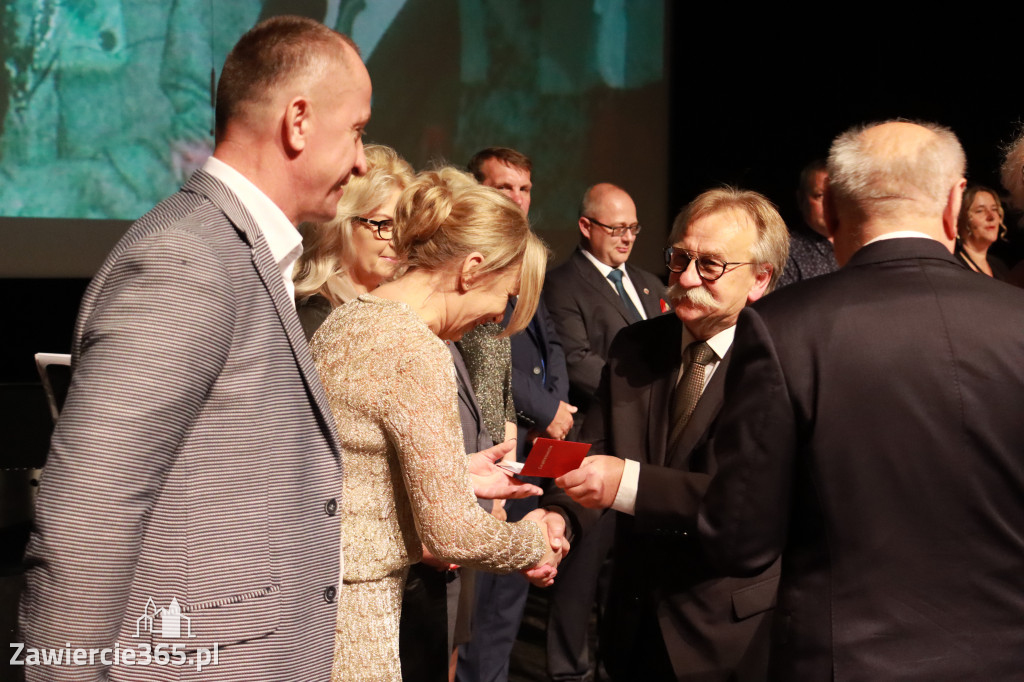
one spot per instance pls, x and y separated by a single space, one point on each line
539 376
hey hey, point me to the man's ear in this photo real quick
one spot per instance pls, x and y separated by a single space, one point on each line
952 210
296 125
469 274
584 228
761 281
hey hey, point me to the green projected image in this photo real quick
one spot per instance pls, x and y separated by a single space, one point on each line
106 105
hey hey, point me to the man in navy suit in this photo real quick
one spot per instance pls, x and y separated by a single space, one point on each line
540 390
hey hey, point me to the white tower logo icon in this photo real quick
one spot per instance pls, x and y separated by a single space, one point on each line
170 620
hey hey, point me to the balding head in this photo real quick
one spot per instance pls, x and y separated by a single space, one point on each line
292 106
894 176
607 209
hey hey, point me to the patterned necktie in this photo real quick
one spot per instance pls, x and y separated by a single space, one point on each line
690 387
632 314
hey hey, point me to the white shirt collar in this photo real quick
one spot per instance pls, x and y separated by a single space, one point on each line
901 234
284 240
603 268
720 342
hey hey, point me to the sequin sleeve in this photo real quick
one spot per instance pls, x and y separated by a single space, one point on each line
488 358
423 423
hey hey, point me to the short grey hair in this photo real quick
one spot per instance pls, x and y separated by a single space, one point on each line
879 181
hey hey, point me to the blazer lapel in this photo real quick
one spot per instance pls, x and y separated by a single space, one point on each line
207 185
703 416
668 357
466 394
592 277
651 299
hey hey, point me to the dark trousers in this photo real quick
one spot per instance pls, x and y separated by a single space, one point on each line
572 599
423 630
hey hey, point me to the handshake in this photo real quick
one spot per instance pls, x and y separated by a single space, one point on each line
492 482
593 485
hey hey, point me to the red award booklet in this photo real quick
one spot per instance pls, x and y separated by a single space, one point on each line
550 458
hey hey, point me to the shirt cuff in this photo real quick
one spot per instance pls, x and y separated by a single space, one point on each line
625 498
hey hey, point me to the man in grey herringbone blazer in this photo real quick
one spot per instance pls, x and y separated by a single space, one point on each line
196 460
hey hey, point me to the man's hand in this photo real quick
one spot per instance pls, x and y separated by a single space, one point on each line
562 423
553 526
491 482
595 483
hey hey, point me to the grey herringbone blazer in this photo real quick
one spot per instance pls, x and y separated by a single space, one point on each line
196 459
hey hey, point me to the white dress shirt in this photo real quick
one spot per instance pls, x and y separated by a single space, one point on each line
625 498
627 284
284 240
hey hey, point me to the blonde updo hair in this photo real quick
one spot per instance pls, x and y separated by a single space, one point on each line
327 247
445 215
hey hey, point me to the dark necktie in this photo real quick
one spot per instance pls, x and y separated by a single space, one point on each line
632 314
689 388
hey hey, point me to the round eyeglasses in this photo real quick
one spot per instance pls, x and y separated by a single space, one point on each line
708 269
384 228
617 231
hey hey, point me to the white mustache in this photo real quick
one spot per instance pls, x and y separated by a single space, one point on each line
698 296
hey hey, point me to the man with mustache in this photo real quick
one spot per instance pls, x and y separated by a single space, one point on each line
670 615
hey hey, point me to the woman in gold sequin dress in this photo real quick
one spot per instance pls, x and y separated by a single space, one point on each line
392 388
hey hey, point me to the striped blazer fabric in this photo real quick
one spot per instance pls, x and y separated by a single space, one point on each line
195 462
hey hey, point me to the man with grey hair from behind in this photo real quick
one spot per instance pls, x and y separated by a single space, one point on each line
871 435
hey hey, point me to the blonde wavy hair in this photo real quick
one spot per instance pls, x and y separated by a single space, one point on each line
327 247
445 215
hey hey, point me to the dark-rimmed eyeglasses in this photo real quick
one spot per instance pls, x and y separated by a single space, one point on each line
617 231
709 269
384 228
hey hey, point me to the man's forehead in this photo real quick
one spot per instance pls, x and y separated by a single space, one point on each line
495 167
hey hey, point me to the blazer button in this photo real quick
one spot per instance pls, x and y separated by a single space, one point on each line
331 507
330 592
536 370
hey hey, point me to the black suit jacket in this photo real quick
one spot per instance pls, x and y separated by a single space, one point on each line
588 314
713 627
879 410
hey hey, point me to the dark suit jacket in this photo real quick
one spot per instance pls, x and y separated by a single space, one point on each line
539 377
879 410
195 458
588 314
713 628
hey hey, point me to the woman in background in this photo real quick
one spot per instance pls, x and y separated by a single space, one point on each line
351 254
391 384
978 226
